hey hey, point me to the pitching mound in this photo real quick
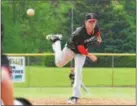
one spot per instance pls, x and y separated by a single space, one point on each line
83 101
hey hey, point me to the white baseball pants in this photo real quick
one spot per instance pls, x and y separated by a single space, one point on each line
62 57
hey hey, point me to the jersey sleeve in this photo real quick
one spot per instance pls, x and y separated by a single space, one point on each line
82 49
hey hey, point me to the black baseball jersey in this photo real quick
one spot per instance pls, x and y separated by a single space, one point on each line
81 37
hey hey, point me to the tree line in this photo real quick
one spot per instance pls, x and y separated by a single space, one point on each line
24 34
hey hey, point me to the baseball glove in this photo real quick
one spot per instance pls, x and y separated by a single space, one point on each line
71 77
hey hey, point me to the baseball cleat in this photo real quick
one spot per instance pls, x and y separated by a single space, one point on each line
72 100
54 37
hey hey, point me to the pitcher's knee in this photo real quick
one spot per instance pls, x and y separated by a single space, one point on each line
58 64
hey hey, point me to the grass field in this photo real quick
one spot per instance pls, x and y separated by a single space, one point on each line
52 86
65 92
58 77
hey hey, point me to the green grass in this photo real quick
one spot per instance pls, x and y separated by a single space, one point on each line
65 92
54 82
37 76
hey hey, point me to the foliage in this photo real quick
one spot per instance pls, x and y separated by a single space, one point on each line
27 34
24 34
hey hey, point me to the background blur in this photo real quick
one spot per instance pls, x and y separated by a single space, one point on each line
25 34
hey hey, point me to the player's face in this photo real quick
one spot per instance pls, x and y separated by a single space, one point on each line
90 24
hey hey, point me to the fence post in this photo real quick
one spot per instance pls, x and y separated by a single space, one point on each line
28 71
112 71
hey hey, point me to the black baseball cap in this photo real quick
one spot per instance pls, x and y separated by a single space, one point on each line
90 16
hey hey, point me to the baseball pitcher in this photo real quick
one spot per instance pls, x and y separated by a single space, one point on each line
77 48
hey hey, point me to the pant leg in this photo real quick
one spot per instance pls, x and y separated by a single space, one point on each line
79 62
64 56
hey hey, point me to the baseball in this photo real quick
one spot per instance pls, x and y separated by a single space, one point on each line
30 12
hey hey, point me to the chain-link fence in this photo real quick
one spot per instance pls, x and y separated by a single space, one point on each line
111 70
